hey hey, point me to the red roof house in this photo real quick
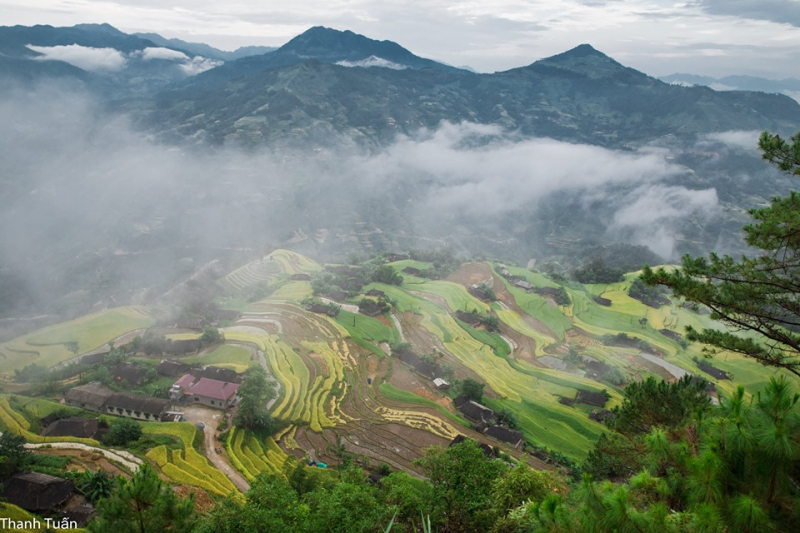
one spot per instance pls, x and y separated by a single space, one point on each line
214 393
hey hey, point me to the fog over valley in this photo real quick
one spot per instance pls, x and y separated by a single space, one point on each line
95 208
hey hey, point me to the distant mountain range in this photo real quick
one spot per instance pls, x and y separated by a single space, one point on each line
326 82
788 86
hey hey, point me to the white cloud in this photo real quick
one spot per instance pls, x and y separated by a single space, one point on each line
373 61
189 65
84 57
163 53
651 215
199 64
740 140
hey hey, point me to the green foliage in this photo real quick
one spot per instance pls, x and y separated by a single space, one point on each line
596 271
211 335
488 291
96 485
651 295
728 469
122 431
386 274
758 293
144 504
656 403
116 356
462 477
521 484
471 389
779 152
13 455
255 392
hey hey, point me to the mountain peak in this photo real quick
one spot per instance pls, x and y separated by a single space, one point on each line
333 46
100 28
580 51
321 42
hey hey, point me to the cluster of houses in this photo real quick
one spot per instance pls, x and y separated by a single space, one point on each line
98 398
212 386
484 420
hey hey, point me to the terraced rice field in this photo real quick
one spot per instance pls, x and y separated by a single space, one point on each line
186 466
48 346
251 456
338 387
255 272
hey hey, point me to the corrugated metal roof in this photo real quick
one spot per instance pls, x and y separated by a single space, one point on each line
185 381
214 389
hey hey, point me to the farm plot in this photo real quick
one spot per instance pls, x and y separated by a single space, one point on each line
367 332
251 457
294 263
516 322
48 346
13 422
186 466
293 291
258 271
540 308
528 389
455 295
236 358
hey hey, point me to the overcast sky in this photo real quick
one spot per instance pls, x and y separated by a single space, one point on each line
659 37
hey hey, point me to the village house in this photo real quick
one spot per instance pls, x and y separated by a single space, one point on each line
473 410
598 399
171 369
131 375
300 277
441 384
476 291
94 358
181 386
522 284
213 393
86 428
218 373
504 434
36 492
369 308
91 396
473 319
376 293
136 406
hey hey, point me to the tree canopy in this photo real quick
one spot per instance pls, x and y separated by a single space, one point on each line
757 294
256 391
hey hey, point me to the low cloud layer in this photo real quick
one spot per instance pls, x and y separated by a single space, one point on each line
84 57
86 191
104 60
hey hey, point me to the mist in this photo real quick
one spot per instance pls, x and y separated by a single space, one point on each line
93 207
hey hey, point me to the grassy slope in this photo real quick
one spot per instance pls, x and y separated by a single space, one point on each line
46 346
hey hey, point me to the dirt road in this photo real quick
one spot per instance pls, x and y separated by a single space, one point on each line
211 419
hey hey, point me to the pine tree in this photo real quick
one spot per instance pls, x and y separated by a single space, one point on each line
144 504
758 293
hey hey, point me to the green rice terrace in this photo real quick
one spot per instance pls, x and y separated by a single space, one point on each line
363 385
